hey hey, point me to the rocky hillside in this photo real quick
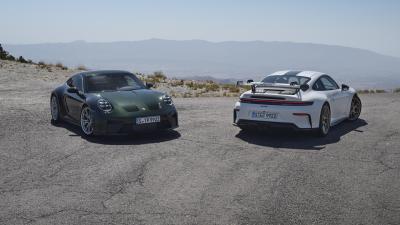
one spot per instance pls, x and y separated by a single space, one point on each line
53 75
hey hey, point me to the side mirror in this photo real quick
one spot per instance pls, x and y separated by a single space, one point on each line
345 87
149 85
304 87
72 90
250 81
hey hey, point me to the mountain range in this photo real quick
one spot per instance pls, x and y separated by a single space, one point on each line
228 60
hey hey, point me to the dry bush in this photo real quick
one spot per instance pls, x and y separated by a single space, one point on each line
81 67
212 87
365 91
61 66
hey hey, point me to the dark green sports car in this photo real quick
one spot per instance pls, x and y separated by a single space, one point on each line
111 102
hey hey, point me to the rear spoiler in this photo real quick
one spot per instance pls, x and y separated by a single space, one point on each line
261 88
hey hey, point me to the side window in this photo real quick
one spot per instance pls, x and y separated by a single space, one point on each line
325 83
69 82
318 86
328 85
333 82
77 82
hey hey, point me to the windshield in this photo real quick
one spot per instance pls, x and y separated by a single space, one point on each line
112 82
286 79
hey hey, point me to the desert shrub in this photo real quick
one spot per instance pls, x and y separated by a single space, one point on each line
366 91
380 91
157 77
397 90
42 65
175 83
81 67
227 86
21 60
3 53
10 57
61 66
212 87
187 95
190 85
196 85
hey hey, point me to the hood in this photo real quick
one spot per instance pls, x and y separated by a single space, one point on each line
134 100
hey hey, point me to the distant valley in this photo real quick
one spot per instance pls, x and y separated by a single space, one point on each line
227 61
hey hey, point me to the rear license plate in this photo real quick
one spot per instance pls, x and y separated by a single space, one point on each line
264 115
149 119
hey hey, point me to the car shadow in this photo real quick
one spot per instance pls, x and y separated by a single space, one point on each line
300 140
129 139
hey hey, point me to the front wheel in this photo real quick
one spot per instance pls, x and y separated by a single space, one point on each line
324 121
87 121
355 108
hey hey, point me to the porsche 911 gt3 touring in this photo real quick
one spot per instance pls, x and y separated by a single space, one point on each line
297 99
111 102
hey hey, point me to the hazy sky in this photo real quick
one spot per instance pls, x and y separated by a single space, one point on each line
368 24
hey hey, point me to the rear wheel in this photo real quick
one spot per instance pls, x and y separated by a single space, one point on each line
87 121
324 121
54 109
355 109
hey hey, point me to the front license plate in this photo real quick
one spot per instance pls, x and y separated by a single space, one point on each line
264 115
149 119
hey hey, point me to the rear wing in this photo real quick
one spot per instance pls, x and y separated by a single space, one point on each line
275 88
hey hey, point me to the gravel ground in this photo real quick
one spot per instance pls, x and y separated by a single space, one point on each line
205 172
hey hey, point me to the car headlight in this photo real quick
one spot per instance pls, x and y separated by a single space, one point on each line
167 99
104 105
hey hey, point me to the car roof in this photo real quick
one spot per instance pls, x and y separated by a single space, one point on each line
98 72
298 73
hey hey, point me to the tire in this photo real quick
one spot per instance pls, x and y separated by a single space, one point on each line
324 121
55 110
355 108
86 121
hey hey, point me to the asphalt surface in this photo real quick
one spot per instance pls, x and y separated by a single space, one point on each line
205 172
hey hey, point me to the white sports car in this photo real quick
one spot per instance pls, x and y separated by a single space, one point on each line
297 99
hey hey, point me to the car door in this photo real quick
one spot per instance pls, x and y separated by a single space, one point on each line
74 101
328 89
337 97
341 98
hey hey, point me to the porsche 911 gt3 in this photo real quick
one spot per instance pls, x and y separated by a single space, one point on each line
299 100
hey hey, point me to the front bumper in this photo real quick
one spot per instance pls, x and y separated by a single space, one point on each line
106 124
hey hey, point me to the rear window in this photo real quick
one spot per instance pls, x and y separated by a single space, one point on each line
286 79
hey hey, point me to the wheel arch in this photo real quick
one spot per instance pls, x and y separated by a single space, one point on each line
61 106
